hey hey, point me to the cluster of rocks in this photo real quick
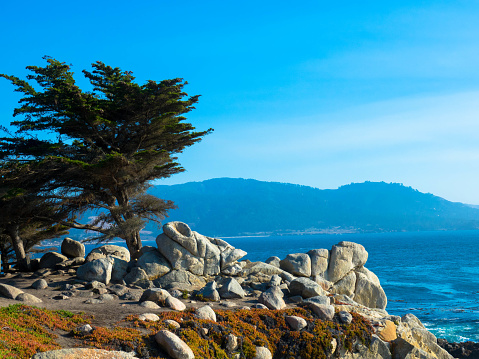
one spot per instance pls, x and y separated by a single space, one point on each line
187 264
465 350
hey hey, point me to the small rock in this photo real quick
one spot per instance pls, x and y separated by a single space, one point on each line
118 289
231 343
259 306
296 323
274 261
149 317
172 323
26 297
175 303
95 284
132 296
107 297
263 353
66 286
319 299
44 272
100 290
228 304
70 293
388 333
61 297
178 293
346 317
173 345
275 281
295 299
93 301
206 312
155 295
150 305
85 294
40 284
84 329
324 312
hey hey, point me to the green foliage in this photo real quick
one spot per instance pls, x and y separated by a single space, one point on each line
110 142
27 330
26 216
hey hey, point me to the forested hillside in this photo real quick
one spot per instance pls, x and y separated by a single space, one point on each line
228 207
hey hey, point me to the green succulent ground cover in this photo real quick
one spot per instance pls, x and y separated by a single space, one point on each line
27 330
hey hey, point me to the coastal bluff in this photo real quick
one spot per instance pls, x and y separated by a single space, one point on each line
192 273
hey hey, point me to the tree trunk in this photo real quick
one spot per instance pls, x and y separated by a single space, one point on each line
132 237
17 243
134 244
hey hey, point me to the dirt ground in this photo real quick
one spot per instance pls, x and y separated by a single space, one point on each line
105 314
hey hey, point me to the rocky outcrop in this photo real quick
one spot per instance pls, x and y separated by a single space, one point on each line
332 285
189 250
465 350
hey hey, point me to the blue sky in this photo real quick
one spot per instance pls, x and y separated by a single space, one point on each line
320 94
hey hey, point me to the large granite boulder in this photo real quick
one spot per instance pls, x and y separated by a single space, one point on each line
319 262
108 250
346 285
231 289
369 293
119 269
298 264
97 270
413 340
9 291
136 275
180 257
272 298
51 259
72 249
306 288
203 256
345 257
154 264
209 292
180 279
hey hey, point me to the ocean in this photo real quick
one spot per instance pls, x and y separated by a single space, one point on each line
434 275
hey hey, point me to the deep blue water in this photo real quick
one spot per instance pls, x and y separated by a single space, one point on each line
434 275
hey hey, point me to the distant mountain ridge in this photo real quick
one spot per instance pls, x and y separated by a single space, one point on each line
231 207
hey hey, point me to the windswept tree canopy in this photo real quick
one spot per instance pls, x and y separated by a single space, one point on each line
103 146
